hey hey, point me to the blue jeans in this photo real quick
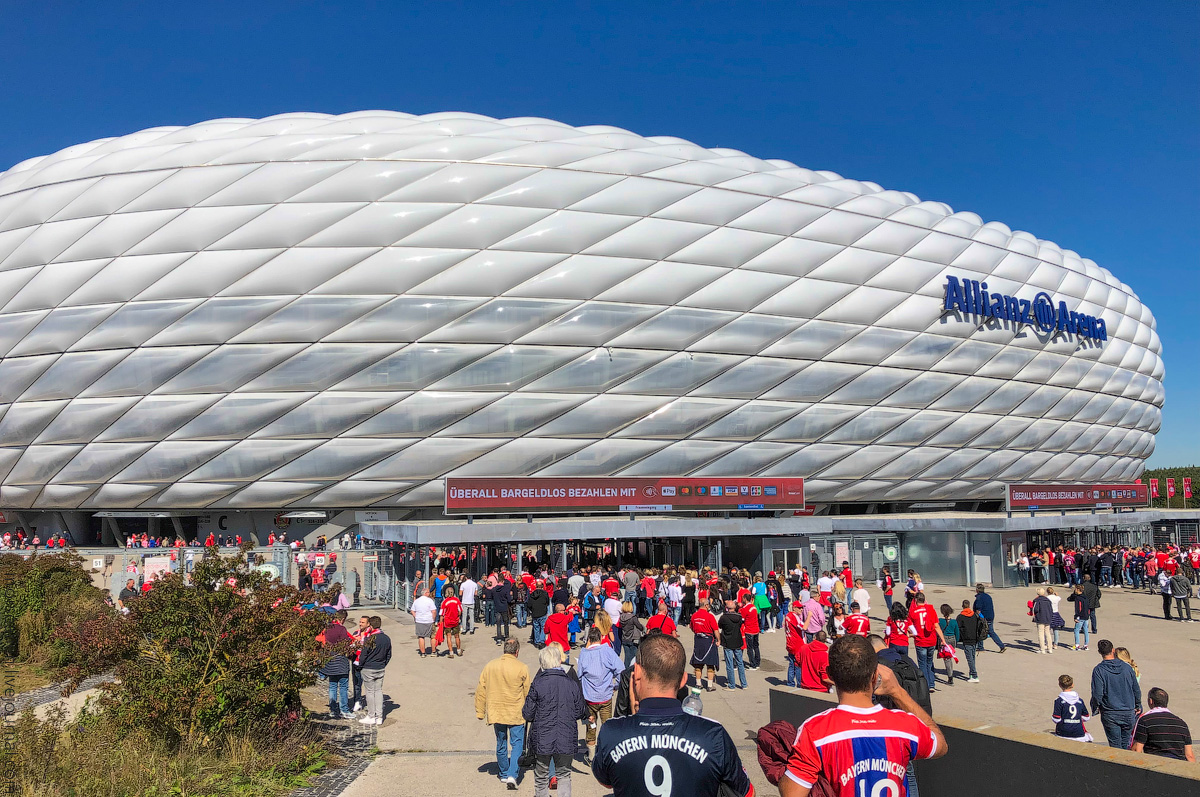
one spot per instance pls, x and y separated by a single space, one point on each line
1024 575
539 630
1106 576
520 608
1118 727
764 619
339 695
968 650
992 636
793 671
510 741
1082 625
674 612
733 657
888 600
649 605
925 658
783 607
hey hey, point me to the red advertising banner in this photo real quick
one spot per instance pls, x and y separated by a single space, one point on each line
1154 488
1187 486
1076 496
1170 488
534 495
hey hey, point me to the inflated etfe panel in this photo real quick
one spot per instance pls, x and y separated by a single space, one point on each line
337 311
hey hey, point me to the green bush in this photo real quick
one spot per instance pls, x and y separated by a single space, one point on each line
227 653
206 694
38 584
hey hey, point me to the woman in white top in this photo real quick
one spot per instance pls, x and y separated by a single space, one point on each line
1057 622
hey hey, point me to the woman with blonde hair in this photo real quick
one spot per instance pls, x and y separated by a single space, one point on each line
605 624
839 592
1123 655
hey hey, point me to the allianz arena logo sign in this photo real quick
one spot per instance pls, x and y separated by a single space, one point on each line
971 297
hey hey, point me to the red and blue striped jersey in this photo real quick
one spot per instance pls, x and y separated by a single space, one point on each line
863 752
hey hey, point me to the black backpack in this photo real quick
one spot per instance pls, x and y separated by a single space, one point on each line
912 681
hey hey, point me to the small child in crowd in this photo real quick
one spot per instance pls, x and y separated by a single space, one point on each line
1070 712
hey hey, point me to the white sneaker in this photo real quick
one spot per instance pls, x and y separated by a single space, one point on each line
972 680
511 783
357 706
367 721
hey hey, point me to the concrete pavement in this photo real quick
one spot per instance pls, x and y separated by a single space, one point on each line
431 743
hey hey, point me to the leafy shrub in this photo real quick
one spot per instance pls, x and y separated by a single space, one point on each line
38 584
206 696
225 654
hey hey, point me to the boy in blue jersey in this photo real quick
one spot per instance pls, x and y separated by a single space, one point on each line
1070 712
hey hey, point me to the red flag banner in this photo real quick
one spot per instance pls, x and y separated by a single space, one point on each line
1170 488
1154 488
1187 486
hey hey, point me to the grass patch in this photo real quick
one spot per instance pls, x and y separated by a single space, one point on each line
22 676
58 759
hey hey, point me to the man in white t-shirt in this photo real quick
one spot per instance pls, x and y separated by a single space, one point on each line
613 607
466 591
825 587
575 583
860 596
423 610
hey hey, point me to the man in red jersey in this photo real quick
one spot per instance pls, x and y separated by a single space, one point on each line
611 587
814 664
451 611
750 632
557 631
847 576
662 621
857 623
927 636
793 634
704 646
859 747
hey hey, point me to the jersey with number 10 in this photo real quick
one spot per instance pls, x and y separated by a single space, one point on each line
663 752
863 752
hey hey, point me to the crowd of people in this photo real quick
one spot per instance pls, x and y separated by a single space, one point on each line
20 541
1128 567
606 614
357 657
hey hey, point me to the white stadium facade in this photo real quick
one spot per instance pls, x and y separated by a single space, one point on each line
322 314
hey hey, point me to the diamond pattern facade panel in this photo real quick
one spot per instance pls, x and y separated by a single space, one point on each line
339 311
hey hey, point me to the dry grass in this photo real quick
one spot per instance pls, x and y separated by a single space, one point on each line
60 760
22 676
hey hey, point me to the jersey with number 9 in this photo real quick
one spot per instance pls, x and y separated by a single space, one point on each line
663 752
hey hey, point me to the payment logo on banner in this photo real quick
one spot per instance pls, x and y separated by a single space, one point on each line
538 494
1033 497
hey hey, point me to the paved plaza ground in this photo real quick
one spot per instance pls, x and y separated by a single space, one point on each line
431 743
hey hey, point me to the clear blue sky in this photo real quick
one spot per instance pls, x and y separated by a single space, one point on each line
1078 122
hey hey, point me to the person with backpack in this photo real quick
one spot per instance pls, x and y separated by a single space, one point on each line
972 630
984 607
778 603
907 673
632 631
